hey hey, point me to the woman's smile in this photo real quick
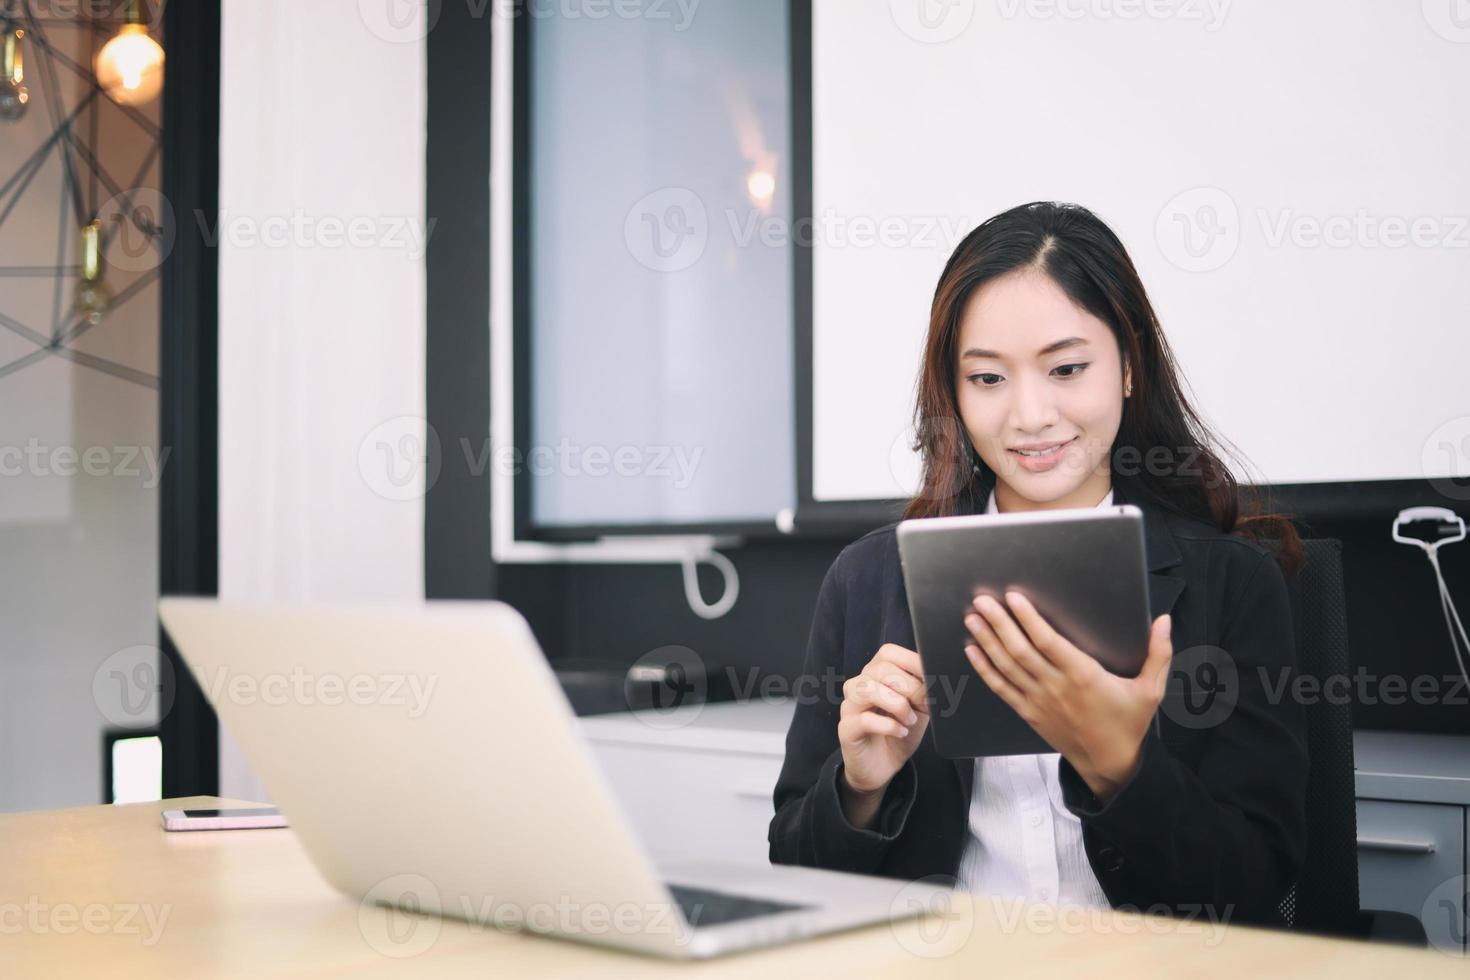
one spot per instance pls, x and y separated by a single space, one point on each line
1036 460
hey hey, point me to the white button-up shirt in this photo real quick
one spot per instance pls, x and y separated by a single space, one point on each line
1024 842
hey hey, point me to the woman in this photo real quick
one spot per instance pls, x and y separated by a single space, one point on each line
1043 344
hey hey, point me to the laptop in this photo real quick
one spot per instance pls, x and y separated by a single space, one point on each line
427 759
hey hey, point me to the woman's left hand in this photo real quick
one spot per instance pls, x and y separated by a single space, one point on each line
1094 718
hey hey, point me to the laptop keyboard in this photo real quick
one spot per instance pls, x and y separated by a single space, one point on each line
703 907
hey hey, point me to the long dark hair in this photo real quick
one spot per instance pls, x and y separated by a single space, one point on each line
1073 247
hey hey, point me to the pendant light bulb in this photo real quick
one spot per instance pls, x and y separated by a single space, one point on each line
92 296
14 97
130 66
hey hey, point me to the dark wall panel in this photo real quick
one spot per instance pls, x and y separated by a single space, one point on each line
457 505
188 548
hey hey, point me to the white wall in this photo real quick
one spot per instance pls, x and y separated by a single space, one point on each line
1327 346
321 318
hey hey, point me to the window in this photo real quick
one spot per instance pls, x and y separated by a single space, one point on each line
654 267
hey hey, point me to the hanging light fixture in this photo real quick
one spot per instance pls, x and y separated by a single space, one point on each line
92 296
13 94
130 66
761 187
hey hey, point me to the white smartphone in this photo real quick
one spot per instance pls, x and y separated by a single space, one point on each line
245 818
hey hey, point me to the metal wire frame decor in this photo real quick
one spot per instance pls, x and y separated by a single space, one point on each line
137 213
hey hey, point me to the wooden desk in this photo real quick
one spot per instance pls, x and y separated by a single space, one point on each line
103 891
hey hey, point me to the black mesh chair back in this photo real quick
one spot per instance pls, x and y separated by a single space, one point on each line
1325 898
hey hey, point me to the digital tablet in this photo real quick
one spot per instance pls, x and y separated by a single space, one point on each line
1082 568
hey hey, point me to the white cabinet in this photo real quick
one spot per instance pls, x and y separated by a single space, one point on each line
1411 858
695 782
1413 799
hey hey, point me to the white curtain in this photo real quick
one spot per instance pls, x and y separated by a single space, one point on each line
321 308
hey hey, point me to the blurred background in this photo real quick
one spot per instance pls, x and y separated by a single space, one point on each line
611 309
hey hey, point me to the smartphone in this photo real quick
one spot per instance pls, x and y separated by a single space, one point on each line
246 818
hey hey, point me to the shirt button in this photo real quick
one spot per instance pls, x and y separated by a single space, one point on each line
1034 820
1109 858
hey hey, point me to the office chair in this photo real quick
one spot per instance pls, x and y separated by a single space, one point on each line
1325 896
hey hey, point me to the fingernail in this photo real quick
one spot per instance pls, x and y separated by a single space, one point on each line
913 717
904 732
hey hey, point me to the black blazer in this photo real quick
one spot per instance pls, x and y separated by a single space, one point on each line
1215 815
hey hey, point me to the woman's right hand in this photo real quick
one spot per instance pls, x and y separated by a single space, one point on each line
883 717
